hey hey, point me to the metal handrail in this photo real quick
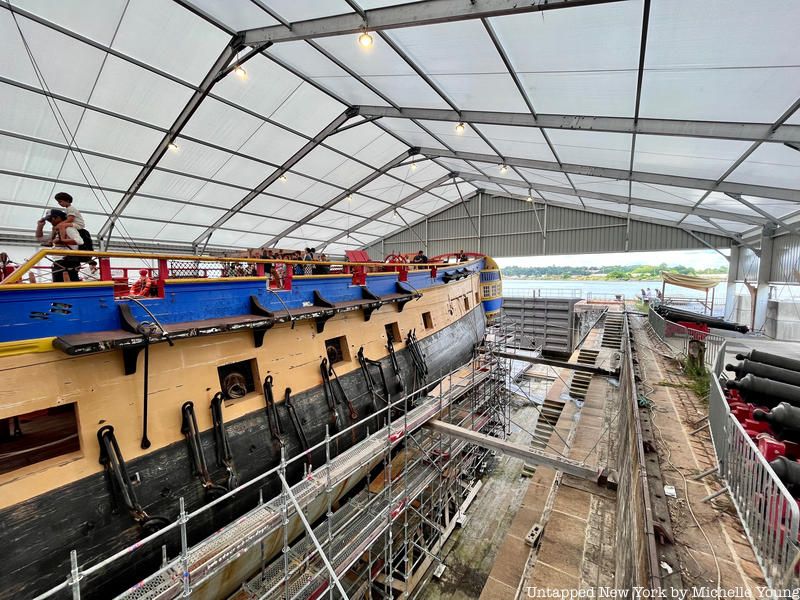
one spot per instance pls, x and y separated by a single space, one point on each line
23 269
665 329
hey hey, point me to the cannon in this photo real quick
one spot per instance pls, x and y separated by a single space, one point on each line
788 471
766 371
770 359
784 420
675 314
765 391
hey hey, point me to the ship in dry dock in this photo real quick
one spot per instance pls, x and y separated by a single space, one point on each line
134 411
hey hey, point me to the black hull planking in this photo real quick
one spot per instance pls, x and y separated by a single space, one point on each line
81 516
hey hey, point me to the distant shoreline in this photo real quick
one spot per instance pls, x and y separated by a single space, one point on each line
599 279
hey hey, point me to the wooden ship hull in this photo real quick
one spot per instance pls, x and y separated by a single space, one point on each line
83 499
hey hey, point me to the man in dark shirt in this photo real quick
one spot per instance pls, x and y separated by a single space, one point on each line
322 269
419 259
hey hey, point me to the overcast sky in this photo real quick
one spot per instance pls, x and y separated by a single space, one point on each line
699 259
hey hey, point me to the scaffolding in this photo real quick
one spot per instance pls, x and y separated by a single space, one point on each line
384 539
369 522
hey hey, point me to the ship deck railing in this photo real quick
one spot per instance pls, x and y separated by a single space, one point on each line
338 469
122 268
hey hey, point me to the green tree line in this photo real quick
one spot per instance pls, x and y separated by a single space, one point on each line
610 271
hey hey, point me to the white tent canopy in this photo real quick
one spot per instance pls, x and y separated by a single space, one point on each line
674 110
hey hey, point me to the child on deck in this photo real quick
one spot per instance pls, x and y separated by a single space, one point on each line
74 217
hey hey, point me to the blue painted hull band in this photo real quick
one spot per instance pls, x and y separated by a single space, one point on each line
53 312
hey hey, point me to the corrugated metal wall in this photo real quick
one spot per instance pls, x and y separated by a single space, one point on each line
501 226
786 259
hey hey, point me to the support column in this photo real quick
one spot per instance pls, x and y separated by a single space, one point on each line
764 274
733 273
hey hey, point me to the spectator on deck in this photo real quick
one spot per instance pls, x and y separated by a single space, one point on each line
419 258
298 268
322 269
69 239
7 266
268 266
90 272
308 256
141 287
462 257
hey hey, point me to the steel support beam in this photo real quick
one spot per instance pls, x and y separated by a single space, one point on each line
764 277
617 199
733 275
762 191
780 223
732 234
290 162
721 130
558 364
414 14
705 243
529 455
331 203
211 78
416 194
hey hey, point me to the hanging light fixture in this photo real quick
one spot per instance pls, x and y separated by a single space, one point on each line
529 198
365 40
460 129
240 72
283 178
174 147
504 169
349 197
413 163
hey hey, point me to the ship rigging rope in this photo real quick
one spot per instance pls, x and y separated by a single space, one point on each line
278 296
36 448
152 316
69 136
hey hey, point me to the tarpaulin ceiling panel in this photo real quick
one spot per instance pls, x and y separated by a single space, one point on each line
123 72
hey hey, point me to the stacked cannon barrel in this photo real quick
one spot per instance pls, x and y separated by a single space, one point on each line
764 396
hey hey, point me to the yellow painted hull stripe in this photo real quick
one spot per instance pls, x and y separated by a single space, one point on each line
26 346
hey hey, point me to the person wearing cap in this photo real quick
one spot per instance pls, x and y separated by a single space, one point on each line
141 287
67 238
74 217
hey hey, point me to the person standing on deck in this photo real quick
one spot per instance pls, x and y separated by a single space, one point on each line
7 266
69 239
